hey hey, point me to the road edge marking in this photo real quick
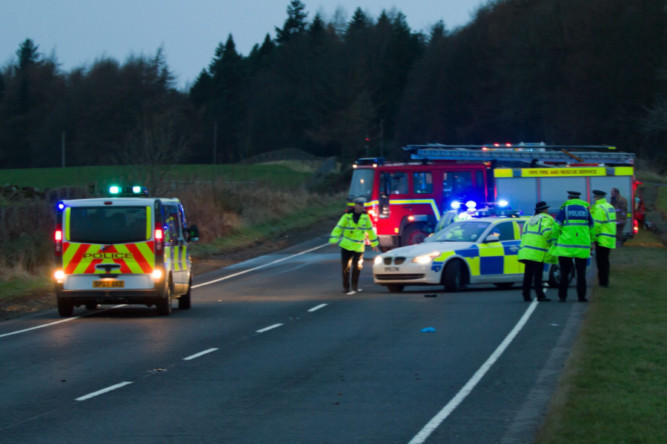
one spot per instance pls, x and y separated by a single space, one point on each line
214 281
435 422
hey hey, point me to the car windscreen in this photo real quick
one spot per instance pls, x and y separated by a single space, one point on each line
361 184
108 225
465 231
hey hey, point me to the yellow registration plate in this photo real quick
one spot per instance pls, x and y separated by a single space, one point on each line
109 284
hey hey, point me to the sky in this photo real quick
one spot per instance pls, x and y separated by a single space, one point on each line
78 32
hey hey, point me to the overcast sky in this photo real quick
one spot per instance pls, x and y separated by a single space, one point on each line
78 32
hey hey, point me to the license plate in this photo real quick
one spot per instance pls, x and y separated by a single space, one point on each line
390 269
109 284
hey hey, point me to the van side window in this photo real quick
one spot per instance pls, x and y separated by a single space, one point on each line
173 223
422 183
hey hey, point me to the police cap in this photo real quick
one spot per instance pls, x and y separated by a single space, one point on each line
359 200
541 206
599 193
574 194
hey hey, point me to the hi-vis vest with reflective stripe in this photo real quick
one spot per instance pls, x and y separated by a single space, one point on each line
573 230
604 217
536 238
351 236
132 257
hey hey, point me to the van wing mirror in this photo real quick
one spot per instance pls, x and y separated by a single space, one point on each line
193 233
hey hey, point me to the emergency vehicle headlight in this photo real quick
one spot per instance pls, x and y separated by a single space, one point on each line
378 260
157 274
426 259
59 276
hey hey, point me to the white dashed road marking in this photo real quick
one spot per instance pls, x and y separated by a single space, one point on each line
197 355
103 391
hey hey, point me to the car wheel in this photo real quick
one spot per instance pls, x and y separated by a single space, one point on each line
395 288
164 303
65 308
453 276
414 234
185 302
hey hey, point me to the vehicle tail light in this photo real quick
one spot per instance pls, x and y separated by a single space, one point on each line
635 226
58 241
159 239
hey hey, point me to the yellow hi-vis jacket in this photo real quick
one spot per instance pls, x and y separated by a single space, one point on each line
536 238
351 236
604 217
573 230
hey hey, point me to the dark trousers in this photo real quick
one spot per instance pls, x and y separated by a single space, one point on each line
565 264
351 260
602 261
532 275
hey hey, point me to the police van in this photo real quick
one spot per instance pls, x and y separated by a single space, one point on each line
126 249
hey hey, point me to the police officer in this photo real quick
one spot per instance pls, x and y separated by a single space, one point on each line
350 233
535 242
604 218
573 234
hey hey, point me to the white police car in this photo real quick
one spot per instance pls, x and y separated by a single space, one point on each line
474 251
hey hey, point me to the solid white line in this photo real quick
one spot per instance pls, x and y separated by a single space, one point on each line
317 308
196 355
470 385
270 327
54 323
258 267
103 391
39 326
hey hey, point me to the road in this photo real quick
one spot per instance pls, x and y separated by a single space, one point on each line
272 351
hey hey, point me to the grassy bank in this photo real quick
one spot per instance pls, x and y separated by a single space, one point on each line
613 387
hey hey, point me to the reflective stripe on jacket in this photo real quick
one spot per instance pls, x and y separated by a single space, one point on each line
351 236
573 230
604 217
536 238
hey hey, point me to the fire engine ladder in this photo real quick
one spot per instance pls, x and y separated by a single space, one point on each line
522 153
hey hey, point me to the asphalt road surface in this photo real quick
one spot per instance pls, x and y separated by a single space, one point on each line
273 352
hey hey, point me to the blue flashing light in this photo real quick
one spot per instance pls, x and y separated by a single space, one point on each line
60 206
503 203
455 204
136 189
114 189
471 204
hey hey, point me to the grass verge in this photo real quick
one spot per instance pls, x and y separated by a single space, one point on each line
613 386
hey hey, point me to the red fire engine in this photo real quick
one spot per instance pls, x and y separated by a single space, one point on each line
406 200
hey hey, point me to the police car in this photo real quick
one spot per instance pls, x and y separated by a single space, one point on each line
128 248
474 251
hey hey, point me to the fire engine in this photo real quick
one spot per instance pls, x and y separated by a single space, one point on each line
406 200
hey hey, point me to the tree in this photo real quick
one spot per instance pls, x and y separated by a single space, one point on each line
295 24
